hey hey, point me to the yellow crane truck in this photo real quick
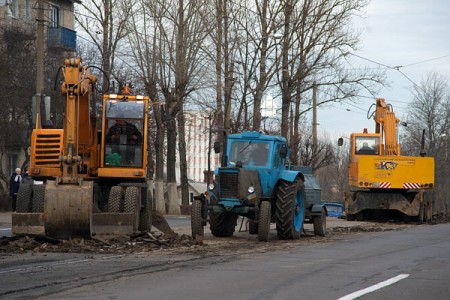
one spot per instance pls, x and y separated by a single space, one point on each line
382 182
90 176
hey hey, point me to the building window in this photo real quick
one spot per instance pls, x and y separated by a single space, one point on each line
54 16
13 8
12 164
28 7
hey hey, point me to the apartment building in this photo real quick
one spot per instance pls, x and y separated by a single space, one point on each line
197 128
60 38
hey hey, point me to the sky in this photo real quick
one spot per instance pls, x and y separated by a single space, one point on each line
394 33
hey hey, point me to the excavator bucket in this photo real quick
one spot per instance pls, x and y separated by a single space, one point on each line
68 210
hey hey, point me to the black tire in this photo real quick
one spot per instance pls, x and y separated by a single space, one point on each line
38 198
264 221
350 217
320 224
196 219
115 199
222 224
24 196
290 209
252 226
145 214
132 204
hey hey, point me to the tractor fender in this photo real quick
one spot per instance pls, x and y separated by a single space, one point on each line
316 209
290 176
201 197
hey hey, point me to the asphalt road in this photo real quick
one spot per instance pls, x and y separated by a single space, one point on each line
411 264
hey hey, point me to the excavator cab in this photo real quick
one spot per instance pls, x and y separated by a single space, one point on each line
124 136
366 144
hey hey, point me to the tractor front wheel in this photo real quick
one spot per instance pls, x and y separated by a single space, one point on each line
264 221
196 219
252 226
222 224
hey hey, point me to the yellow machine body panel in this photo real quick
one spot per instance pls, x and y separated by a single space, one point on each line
46 150
391 172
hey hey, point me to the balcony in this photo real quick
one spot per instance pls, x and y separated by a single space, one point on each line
62 38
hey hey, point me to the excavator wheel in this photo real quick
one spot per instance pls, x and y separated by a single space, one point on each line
132 204
115 199
24 197
38 198
145 214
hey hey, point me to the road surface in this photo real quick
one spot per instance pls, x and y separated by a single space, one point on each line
413 263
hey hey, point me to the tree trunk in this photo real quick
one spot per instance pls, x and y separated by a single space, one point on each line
183 160
159 158
173 201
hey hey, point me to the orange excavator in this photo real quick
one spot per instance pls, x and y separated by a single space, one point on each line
382 181
85 181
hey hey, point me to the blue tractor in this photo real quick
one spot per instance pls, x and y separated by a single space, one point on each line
254 182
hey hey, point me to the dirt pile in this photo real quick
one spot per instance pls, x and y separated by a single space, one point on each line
171 242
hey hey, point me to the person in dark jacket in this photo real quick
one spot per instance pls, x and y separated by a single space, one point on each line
14 183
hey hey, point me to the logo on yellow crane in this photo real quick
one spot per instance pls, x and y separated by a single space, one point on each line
387 165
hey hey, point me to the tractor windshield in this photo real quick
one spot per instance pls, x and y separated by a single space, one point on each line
252 153
124 127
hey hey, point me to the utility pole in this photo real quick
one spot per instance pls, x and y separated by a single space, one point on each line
314 123
40 57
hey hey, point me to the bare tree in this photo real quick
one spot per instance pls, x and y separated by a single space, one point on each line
17 81
178 34
317 38
104 21
430 110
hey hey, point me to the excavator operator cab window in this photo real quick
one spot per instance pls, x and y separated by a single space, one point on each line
124 133
366 145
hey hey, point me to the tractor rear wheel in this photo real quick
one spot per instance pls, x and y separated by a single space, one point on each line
24 197
38 198
264 221
320 224
115 199
222 224
290 209
196 219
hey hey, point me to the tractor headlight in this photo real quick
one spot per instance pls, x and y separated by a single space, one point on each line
251 189
211 186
